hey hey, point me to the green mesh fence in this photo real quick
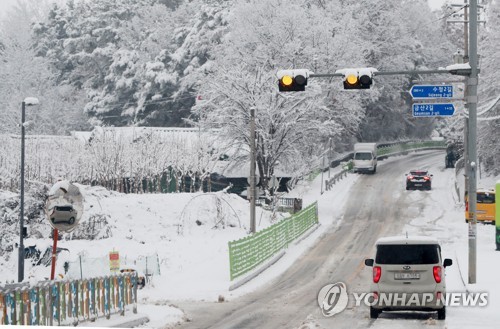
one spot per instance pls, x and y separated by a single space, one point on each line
245 254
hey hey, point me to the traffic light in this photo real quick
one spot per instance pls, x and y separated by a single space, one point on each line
357 78
292 80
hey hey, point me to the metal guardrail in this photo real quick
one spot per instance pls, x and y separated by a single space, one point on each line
337 177
63 303
397 149
247 253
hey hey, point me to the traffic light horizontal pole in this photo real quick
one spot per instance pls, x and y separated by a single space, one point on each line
432 82
413 72
326 75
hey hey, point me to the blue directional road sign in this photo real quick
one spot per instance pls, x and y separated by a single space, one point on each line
418 91
433 110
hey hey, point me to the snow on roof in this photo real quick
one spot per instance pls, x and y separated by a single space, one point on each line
138 132
231 169
62 184
356 71
293 73
485 190
31 101
188 136
462 66
39 137
82 136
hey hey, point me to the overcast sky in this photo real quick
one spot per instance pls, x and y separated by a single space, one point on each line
5 4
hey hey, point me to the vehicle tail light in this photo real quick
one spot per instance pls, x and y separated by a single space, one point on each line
467 206
437 273
377 273
410 177
427 178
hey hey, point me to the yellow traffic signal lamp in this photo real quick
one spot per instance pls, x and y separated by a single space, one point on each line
351 80
292 80
357 78
286 81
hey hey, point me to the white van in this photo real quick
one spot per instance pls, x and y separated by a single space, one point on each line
408 274
365 157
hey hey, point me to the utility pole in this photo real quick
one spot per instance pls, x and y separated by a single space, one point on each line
252 170
28 101
472 82
20 265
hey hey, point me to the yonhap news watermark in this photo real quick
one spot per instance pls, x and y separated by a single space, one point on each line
333 299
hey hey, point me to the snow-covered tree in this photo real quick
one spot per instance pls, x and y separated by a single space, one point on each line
489 93
23 73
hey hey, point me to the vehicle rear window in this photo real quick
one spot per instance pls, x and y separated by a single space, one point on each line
418 173
63 208
362 156
407 254
485 198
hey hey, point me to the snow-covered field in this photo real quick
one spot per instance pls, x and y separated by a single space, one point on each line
188 232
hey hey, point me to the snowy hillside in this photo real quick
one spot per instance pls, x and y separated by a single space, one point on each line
177 232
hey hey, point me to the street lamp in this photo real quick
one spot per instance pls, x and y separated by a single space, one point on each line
28 101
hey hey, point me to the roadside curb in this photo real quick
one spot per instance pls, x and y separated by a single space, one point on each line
133 323
130 321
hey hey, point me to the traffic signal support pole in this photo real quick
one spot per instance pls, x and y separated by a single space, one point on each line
472 81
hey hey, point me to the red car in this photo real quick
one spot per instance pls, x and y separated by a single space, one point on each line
418 179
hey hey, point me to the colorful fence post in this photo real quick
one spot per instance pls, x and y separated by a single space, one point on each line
92 289
26 314
74 300
35 307
3 309
86 299
56 310
19 307
121 295
41 306
101 295
62 301
10 303
107 298
134 280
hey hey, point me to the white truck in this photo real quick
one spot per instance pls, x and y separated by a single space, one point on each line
365 157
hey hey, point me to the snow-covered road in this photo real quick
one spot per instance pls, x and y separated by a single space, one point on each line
377 206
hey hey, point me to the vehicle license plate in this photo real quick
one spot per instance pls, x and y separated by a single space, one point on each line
417 184
406 276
